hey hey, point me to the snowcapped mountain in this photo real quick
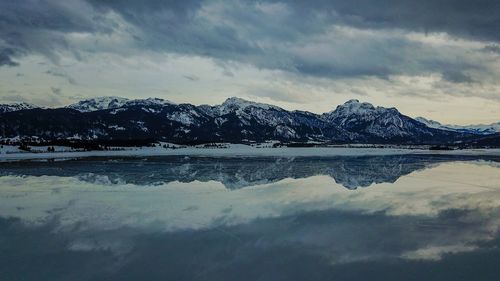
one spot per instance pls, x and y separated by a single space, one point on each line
100 103
240 105
429 123
352 110
365 120
103 103
475 129
235 120
148 102
15 107
262 121
242 108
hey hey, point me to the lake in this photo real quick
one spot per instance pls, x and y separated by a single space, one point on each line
399 217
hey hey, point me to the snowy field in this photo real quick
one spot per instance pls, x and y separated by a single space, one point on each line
8 153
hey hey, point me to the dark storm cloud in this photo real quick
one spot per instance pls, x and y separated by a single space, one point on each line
5 57
31 26
473 19
457 77
492 49
476 19
275 35
293 36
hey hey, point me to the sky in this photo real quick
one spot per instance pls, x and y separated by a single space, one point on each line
434 58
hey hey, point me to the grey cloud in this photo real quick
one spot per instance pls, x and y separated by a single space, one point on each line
66 76
13 97
276 35
40 27
457 77
56 91
6 57
275 95
493 48
471 19
461 18
48 99
191 77
313 38
227 73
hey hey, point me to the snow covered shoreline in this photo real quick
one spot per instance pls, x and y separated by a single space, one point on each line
10 153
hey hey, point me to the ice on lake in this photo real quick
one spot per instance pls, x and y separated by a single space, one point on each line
400 217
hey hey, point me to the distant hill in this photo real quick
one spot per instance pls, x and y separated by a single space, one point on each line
482 129
15 107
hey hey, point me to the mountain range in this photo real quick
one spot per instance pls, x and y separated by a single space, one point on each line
235 120
481 129
15 107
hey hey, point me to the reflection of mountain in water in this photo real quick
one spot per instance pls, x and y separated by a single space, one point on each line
351 172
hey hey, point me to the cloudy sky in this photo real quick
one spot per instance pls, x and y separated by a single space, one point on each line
434 58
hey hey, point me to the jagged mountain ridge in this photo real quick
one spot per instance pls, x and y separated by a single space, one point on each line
364 119
103 103
15 107
235 120
483 129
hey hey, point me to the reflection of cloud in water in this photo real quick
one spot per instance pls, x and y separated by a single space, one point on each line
351 172
316 244
197 204
302 229
436 252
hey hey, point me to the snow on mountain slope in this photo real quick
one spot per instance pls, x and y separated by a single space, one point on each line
475 129
239 104
103 103
380 122
246 111
234 120
16 107
252 118
99 103
353 111
148 102
429 123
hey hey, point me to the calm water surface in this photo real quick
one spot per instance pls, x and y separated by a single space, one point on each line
178 218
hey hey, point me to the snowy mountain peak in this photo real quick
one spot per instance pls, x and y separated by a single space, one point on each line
98 103
381 122
475 129
234 120
236 104
236 100
429 123
148 102
352 101
103 103
356 107
242 103
16 106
